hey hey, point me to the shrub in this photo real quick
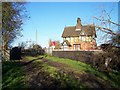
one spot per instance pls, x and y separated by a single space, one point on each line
35 50
108 60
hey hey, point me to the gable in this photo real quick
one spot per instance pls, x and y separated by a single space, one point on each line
88 30
66 43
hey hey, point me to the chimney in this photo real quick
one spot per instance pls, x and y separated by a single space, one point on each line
79 25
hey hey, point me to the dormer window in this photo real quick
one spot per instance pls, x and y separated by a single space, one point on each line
78 29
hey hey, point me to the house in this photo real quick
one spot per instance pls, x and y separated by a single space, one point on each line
79 37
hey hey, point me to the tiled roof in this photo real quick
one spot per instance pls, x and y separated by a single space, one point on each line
72 32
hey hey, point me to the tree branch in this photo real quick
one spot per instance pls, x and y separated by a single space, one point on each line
106 30
109 21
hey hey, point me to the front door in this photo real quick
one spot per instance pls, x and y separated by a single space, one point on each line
76 46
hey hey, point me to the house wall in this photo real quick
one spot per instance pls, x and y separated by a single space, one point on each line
86 42
88 45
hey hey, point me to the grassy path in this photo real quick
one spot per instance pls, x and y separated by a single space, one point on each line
86 74
42 73
56 73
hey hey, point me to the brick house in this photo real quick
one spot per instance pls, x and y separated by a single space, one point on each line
79 37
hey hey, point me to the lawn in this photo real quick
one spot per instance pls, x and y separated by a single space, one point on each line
56 73
12 75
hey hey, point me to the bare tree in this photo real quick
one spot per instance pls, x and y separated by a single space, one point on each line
105 20
13 16
110 31
106 25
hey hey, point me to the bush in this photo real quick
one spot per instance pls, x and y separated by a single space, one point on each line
34 51
108 60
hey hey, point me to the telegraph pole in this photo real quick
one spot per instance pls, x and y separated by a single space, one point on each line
36 36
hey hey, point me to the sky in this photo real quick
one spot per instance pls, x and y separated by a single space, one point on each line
50 18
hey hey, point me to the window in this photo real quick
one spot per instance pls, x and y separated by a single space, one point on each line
82 33
80 38
76 39
88 39
78 29
83 38
65 44
68 39
72 39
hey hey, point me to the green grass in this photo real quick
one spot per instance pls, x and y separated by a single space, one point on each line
71 63
79 67
29 58
112 77
67 81
46 67
12 75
